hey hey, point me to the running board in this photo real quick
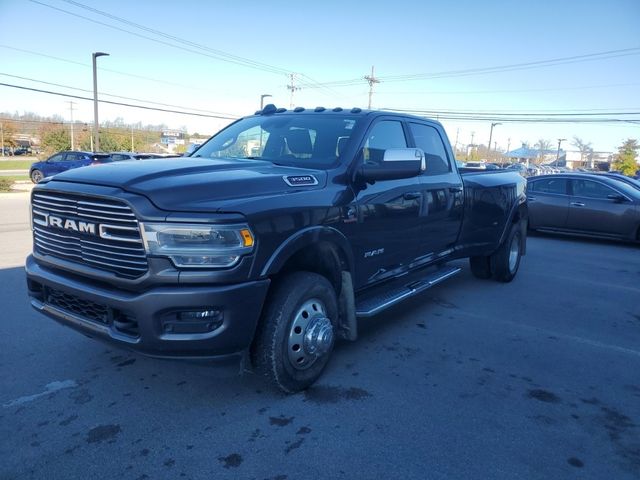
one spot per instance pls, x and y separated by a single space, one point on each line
380 298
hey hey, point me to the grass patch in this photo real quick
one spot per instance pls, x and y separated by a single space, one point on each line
5 185
7 181
15 164
14 178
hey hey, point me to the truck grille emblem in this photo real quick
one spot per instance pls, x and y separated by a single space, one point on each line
70 224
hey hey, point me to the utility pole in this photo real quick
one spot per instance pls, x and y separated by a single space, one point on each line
560 140
132 149
2 138
491 136
71 109
292 87
371 79
455 148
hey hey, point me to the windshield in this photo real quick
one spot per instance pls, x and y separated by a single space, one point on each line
306 140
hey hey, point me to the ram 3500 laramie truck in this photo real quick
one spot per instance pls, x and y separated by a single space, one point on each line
271 240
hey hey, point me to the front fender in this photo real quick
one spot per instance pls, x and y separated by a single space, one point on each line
304 238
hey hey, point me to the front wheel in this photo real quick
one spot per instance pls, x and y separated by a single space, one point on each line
36 176
295 337
506 260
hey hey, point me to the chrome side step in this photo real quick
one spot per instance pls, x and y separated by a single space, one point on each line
385 296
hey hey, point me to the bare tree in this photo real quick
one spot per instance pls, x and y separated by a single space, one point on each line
542 145
582 146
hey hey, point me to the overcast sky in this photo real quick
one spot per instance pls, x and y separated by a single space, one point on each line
331 42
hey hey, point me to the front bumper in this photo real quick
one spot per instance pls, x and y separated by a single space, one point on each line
150 322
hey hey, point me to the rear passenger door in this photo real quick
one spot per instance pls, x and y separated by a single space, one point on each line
548 200
441 189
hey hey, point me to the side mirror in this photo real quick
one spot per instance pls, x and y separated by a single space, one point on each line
616 197
396 163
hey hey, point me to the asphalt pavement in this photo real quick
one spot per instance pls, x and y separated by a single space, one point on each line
535 379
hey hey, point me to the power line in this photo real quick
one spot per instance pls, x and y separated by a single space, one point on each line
497 69
66 60
68 95
225 56
527 90
113 95
507 114
211 52
217 55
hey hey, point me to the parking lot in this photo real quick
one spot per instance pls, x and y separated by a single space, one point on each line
537 378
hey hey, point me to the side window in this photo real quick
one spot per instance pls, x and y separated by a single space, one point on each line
428 139
549 185
57 158
71 157
383 136
591 189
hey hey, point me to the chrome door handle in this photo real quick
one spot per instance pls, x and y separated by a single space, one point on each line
577 204
455 189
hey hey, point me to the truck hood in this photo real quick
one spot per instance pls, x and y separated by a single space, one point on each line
194 184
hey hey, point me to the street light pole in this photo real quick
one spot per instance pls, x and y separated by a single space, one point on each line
262 97
560 140
491 136
96 140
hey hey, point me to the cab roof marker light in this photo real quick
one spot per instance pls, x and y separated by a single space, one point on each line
356 110
337 109
298 109
319 109
268 109
281 110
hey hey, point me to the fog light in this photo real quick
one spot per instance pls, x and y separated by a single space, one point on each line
192 321
198 315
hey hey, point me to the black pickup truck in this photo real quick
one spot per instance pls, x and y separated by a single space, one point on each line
271 240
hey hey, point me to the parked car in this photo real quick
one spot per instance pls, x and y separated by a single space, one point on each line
119 156
21 151
63 161
622 178
584 203
521 168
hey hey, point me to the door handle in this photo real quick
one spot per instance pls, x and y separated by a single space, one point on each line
577 204
411 195
455 189
531 199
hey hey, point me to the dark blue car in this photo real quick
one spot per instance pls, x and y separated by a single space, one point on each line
64 161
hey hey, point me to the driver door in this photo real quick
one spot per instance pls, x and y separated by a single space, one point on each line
386 233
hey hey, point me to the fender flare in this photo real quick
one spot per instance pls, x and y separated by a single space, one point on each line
519 207
304 238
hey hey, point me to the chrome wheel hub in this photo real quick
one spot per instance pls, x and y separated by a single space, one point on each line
514 252
311 334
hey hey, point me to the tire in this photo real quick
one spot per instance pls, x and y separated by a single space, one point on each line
506 260
296 333
480 267
36 175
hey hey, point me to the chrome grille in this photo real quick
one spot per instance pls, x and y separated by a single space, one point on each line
115 245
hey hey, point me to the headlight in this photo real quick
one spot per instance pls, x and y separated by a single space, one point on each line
198 245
